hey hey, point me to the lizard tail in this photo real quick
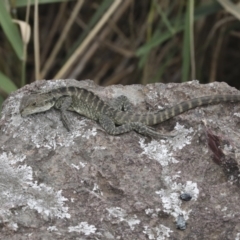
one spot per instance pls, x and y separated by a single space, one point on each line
163 115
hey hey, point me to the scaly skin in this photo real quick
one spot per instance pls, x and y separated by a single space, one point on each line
88 104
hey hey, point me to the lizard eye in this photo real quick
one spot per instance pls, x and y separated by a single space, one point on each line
34 104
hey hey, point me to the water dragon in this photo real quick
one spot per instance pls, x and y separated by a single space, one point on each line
114 119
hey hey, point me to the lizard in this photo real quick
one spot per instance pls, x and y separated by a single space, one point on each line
116 119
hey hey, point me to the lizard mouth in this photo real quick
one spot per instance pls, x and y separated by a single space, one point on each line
27 112
24 113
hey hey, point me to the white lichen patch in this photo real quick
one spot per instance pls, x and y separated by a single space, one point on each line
152 212
13 107
96 187
82 164
75 166
49 203
149 211
238 236
236 114
152 94
99 148
18 189
89 133
121 215
83 228
52 228
163 152
160 232
182 137
170 196
132 222
13 226
158 151
55 137
224 209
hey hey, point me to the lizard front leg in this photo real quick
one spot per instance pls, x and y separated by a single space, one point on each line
63 104
109 126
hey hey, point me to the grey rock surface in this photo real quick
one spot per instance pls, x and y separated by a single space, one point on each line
86 184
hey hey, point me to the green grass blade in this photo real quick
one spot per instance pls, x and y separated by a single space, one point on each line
6 84
11 31
23 3
164 17
186 45
160 37
163 67
155 41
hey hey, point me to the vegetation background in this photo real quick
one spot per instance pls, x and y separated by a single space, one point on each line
119 41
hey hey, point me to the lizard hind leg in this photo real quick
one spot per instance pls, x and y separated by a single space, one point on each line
122 103
109 126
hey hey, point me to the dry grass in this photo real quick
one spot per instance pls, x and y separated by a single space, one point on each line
126 42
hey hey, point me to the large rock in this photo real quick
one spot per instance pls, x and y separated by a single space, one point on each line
86 184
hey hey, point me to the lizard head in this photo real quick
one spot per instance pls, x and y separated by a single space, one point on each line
35 103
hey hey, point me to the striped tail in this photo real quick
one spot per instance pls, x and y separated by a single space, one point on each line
161 116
